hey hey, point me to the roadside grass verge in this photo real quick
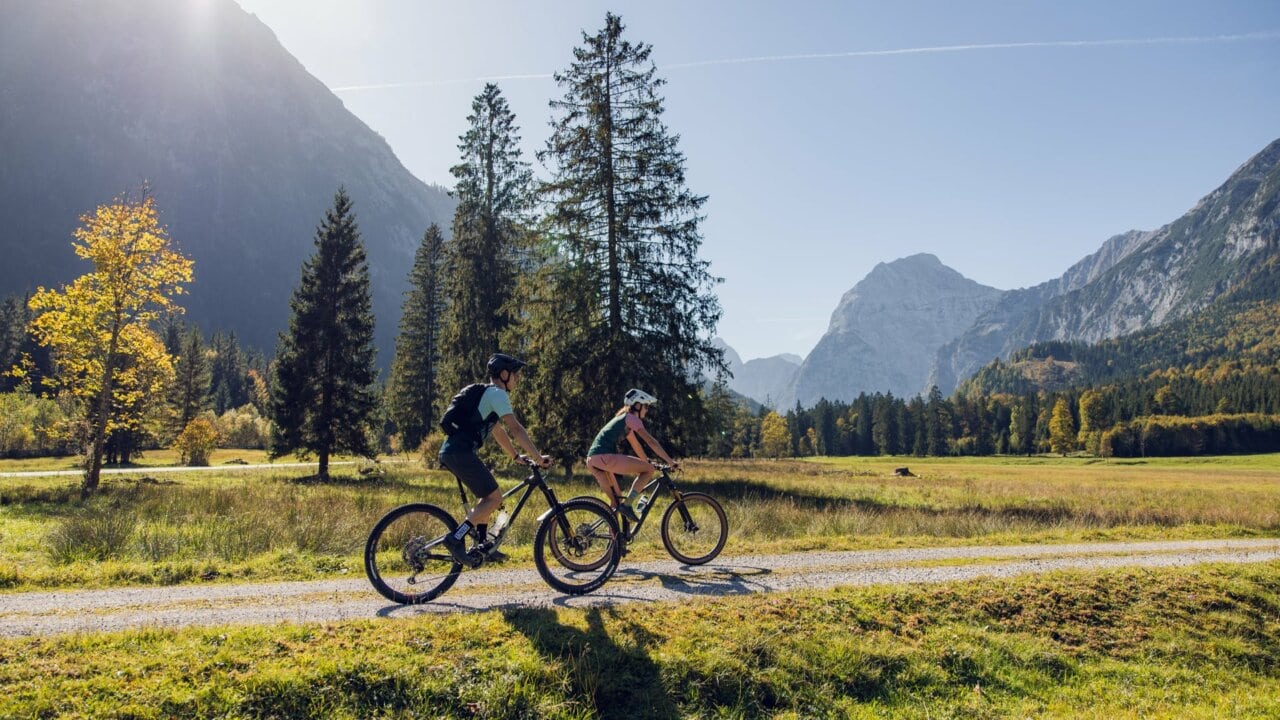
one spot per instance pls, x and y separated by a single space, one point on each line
275 525
163 457
1199 643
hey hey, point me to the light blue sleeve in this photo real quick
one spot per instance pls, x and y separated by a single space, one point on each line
495 400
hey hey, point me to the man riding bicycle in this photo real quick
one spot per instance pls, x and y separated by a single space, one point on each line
466 430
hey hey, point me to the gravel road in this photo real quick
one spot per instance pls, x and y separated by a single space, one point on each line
49 613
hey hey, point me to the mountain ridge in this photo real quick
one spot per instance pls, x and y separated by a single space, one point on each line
1137 280
242 147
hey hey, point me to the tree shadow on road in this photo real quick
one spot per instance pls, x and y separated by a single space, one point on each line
613 675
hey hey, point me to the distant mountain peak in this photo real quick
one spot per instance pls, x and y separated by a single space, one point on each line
886 329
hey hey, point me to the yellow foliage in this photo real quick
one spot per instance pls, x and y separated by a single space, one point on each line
197 441
99 325
775 438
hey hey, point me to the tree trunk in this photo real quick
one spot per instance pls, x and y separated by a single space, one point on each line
323 471
98 437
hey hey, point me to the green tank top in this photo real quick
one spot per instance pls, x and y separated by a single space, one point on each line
606 441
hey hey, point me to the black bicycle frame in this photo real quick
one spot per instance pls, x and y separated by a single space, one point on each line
529 484
664 482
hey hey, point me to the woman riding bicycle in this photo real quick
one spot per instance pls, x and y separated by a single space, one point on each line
603 460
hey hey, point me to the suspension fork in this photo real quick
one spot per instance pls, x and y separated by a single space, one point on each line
678 498
553 504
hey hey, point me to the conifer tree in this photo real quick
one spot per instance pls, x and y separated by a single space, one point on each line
412 391
189 393
624 300
227 374
323 397
483 258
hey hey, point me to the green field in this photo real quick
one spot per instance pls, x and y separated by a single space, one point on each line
1203 642
1197 643
279 524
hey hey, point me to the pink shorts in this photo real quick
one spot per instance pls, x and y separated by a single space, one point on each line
617 463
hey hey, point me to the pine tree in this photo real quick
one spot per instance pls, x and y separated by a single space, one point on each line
323 398
189 393
227 374
412 391
483 259
624 300
14 340
937 420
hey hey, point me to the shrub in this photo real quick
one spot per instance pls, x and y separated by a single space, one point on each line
32 425
243 427
196 441
430 448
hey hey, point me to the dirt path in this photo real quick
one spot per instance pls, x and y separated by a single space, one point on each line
663 580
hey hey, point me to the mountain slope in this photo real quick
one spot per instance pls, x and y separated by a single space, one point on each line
764 380
242 148
886 330
1235 333
1137 280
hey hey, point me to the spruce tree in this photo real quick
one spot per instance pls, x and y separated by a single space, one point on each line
412 391
190 391
323 396
624 300
483 258
227 371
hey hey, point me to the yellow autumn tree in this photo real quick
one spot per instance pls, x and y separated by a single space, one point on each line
775 438
98 327
1062 428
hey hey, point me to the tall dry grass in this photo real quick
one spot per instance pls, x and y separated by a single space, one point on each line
267 524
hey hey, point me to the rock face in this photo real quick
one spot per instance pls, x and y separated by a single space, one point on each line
885 331
242 148
1137 280
764 380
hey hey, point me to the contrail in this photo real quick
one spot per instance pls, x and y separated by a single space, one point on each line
1267 35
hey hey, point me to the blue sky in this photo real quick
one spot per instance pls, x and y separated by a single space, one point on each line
1009 164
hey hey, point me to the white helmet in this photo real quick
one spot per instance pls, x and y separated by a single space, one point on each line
638 396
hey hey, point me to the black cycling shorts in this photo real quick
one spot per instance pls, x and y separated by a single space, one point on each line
473 473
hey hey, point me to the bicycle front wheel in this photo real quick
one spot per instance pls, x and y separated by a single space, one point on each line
405 557
577 548
694 529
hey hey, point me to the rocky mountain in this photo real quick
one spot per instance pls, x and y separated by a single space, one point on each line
242 148
1137 280
886 330
764 380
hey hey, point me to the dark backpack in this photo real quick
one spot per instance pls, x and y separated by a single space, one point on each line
463 413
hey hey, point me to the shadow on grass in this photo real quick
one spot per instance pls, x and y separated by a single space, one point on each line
748 491
614 679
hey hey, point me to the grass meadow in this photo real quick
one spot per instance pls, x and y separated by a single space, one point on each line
1202 642
1176 643
278 524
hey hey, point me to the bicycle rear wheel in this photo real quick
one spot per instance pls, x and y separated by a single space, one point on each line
694 529
577 549
405 558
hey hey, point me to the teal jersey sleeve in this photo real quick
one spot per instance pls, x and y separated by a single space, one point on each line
495 400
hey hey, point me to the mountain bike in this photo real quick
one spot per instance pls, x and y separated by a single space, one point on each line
694 527
576 548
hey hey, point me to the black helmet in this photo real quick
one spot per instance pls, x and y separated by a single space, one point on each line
501 361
